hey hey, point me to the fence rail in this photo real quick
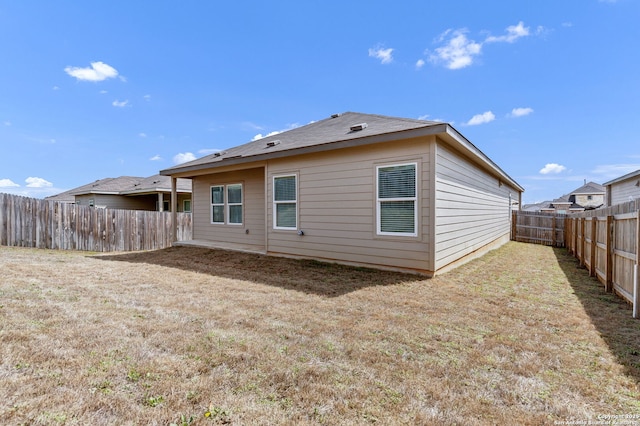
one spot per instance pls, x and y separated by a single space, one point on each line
30 222
607 241
538 228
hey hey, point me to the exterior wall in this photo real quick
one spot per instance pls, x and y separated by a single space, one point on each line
145 202
337 207
125 202
583 200
252 231
472 209
624 191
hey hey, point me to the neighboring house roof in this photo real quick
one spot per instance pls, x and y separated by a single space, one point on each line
623 178
590 188
124 185
339 131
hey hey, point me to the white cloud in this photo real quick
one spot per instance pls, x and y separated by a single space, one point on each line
142 135
98 71
183 157
260 136
520 112
385 55
8 183
458 52
120 104
419 63
424 117
483 118
103 92
290 127
7 123
514 32
36 182
155 158
55 88
552 168
613 171
147 97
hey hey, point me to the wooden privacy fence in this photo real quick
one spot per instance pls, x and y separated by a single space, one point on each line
30 222
606 242
538 228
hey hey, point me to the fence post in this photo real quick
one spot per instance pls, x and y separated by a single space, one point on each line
609 284
636 277
582 241
553 231
514 218
576 221
594 244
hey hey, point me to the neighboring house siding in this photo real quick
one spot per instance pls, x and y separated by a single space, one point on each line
251 233
472 209
583 200
625 191
337 206
147 202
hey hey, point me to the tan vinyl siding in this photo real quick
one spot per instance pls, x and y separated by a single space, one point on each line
252 231
337 206
625 191
144 202
472 207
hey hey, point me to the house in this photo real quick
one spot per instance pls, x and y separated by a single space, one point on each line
354 188
623 189
130 193
588 197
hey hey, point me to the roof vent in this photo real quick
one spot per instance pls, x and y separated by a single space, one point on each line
358 127
271 144
219 153
335 115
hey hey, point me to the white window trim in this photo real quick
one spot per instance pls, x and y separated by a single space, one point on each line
212 204
229 204
380 200
275 203
226 204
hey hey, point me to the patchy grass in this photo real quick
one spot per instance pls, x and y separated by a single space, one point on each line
195 336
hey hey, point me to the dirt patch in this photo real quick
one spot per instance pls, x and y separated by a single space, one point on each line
196 336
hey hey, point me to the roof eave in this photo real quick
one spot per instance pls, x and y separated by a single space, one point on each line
623 178
470 148
328 146
435 129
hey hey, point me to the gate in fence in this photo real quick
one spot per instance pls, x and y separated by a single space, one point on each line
538 228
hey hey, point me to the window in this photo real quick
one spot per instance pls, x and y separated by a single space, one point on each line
217 204
234 203
285 202
589 197
186 206
397 202
226 204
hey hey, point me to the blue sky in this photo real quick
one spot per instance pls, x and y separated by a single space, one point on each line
550 90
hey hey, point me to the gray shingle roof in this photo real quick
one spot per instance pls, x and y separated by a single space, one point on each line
590 188
124 185
335 129
332 133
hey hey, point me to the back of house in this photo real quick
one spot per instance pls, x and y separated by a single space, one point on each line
354 188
